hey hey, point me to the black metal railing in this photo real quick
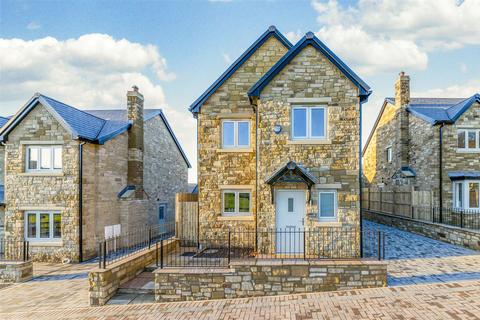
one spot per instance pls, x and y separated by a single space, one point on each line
14 250
120 247
218 250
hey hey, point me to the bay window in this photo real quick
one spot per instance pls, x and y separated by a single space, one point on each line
309 123
44 158
43 226
466 194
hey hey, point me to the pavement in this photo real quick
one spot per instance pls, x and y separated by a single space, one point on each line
427 279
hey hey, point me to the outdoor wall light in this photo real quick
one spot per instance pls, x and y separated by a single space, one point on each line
277 128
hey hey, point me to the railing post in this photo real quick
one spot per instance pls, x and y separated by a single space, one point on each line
104 254
161 254
149 237
412 208
461 218
304 251
156 254
229 240
100 255
379 245
24 251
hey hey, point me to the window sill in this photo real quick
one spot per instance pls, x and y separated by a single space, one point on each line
468 151
41 174
235 218
236 150
326 223
310 141
40 243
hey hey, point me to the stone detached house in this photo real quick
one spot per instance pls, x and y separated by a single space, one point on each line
72 177
427 144
279 140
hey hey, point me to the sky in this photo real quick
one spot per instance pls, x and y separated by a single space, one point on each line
89 53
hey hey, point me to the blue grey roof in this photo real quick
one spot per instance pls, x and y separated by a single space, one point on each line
96 126
462 175
2 194
3 121
272 31
310 39
438 110
294 167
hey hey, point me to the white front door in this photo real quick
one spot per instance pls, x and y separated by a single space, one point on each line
290 217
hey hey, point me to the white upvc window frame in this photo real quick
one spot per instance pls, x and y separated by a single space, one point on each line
308 122
335 198
37 237
237 203
464 184
389 153
39 148
477 140
235 145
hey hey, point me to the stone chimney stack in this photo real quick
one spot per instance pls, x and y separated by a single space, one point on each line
402 90
135 140
402 99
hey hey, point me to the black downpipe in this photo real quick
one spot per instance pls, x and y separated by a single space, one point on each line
255 109
440 172
80 201
360 176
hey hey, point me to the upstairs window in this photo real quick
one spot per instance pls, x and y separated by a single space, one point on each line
236 203
309 123
389 154
235 134
468 140
44 158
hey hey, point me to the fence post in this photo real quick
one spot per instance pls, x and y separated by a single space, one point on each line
369 199
381 201
100 255
379 245
161 254
24 251
104 254
304 252
156 254
413 213
229 239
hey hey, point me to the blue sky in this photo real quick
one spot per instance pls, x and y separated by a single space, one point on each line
89 53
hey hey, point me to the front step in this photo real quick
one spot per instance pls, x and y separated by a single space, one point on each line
144 283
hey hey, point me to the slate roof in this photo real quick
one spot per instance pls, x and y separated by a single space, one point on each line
462 175
3 121
2 194
295 168
96 126
438 110
310 39
271 32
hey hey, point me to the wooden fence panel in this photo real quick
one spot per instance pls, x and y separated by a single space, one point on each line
186 217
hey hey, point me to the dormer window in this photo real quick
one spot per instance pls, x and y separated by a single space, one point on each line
43 158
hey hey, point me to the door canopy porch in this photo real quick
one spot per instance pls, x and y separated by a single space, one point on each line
292 172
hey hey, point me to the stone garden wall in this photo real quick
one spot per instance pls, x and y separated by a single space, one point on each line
104 283
12 271
266 278
454 235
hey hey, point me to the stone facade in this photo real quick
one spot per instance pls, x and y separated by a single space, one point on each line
267 278
461 237
104 174
311 79
217 167
420 151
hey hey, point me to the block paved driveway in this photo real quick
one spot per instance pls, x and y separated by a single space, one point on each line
428 279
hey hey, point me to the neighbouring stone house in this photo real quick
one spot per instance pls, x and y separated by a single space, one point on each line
73 177
279 142
3 121
426 144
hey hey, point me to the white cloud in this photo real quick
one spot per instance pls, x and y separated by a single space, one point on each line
33 25
90 72
462 90
294 36
463 67
388 35
227 58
